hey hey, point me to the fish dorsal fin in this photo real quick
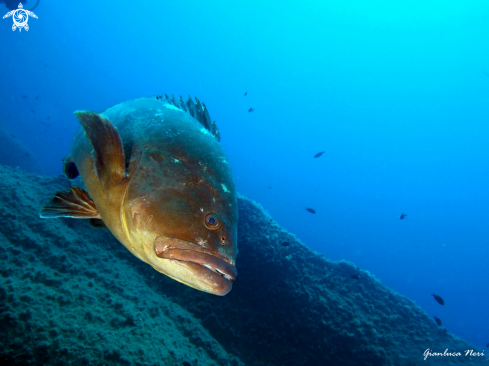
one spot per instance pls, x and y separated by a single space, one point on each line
108 153
74 202
196 109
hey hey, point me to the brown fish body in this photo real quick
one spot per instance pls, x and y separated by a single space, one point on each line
165 191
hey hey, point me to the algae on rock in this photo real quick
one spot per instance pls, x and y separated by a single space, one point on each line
73 294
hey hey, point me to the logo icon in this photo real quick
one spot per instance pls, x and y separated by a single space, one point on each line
20 16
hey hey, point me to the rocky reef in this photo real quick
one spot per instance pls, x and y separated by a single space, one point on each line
71 294
14 153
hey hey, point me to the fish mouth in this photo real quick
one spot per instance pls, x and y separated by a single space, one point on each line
209 272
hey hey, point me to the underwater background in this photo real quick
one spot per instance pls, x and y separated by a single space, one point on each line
396 95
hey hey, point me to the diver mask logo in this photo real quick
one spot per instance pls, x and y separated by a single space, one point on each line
20 16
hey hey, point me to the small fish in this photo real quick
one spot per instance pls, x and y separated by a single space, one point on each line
37 97
319 154
438 299
246 93
269 187
251 110
48 117
310 210
185 363
24 96
438 321
403 216
163 191
487 345
355 277
285 244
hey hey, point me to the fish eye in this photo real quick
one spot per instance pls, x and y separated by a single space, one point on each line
212 221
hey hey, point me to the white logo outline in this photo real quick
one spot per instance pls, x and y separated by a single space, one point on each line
20 17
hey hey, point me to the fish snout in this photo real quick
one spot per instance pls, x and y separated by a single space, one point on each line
204 270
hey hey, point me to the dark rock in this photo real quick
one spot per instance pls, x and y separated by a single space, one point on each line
68 297
74 295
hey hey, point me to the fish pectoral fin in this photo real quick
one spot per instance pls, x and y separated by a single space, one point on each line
108 153
98 224
74 202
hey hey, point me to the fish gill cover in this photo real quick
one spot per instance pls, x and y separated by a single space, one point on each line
72 294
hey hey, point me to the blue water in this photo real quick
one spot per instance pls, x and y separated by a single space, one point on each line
396 95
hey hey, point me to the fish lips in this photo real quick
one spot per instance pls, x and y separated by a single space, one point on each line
215 273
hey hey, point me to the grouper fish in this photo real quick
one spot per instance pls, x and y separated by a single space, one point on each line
155 174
